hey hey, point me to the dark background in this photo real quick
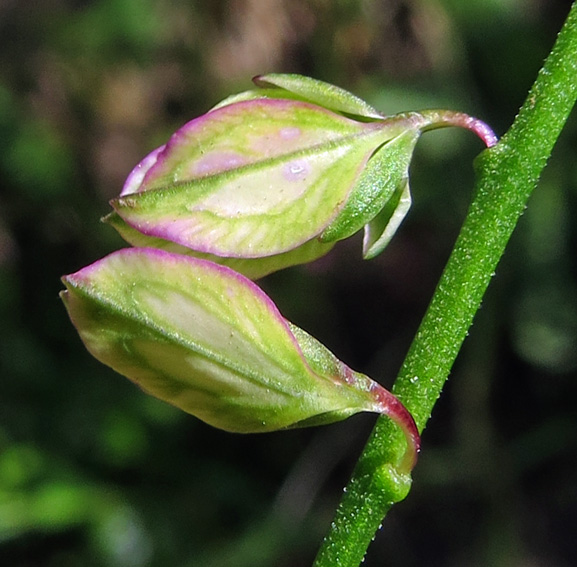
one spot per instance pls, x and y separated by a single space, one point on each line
95 473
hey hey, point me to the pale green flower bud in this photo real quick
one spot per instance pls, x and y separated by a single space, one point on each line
207 340
275 176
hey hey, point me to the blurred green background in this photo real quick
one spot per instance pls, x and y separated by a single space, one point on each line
94 473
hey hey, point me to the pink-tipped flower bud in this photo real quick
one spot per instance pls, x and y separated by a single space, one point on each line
275 176
207 340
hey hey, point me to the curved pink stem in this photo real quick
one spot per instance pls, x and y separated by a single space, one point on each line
392 407
445 118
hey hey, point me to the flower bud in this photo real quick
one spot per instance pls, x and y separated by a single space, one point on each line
207 340
275 176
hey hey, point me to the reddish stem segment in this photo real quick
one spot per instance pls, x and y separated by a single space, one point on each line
445 118
392 407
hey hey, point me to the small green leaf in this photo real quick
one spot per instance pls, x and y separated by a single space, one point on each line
384 173
318 92
380 230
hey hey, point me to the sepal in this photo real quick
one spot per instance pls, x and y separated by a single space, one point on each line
209 341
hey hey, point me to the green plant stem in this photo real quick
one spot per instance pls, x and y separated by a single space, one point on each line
506 176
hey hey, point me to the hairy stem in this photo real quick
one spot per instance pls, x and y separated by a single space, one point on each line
506 176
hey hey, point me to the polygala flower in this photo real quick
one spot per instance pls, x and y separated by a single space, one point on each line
268 178
275 176
207 340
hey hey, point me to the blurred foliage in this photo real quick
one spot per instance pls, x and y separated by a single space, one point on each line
94 473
